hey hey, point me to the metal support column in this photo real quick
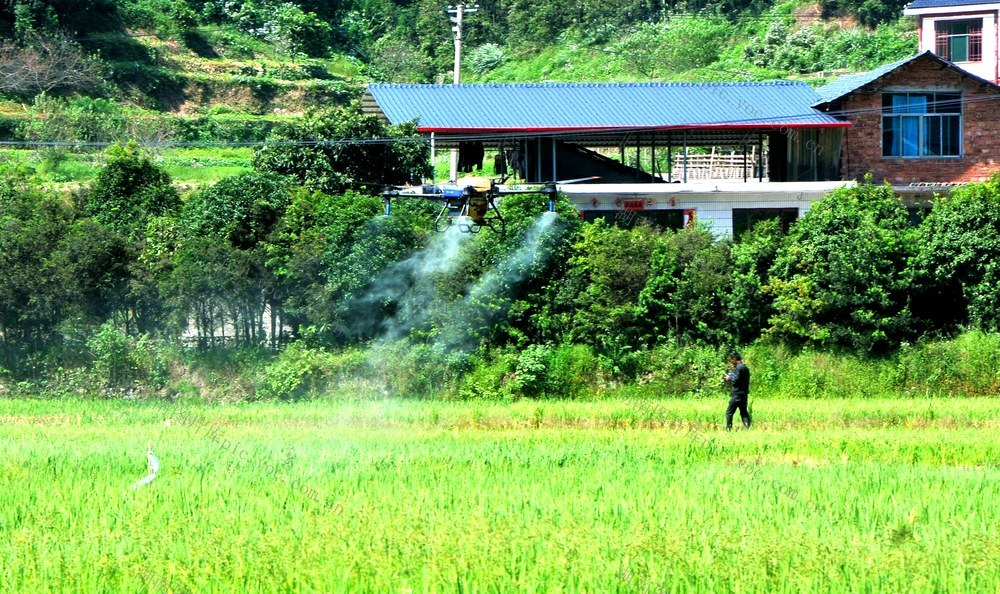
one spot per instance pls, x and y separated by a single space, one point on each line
555 171
538 159
653 165
685 156
760 157
745 162
670 156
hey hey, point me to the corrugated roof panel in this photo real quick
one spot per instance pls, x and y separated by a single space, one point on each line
852 82
560 106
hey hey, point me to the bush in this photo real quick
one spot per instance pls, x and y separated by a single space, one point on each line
748 307
957 264
123 361
408 370
241 209
684 297
673 369
486 57
336 165
490 378
129 191
215 129
538 371
962 366
297 372
659 49
841 278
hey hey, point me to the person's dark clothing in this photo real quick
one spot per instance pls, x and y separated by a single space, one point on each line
740 393
740 379
470 156
735 404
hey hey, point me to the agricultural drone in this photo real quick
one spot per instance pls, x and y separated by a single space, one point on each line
471 202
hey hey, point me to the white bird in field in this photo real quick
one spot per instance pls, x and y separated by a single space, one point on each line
153 465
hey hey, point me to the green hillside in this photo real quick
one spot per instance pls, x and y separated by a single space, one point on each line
275 58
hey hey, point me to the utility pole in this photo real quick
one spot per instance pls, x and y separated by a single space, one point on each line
458 11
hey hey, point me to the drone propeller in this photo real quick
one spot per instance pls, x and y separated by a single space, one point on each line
578 180
550 188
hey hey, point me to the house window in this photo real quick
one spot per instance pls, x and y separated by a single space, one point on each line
959 41
921 125
744 219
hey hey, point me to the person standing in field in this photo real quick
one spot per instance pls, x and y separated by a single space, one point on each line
739 378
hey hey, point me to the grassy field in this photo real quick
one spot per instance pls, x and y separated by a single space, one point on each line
617 496
186 166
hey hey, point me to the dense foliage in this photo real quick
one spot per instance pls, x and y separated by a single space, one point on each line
76 46
267 259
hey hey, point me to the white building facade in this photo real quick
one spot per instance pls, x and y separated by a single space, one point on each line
964 32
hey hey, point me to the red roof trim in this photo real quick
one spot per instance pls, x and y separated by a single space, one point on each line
769 126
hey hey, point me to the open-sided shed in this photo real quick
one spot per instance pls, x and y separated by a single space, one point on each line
554 127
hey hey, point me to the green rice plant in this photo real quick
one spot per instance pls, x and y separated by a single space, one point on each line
848 495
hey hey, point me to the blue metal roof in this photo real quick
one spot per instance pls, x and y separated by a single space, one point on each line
916 4
574 106
847 84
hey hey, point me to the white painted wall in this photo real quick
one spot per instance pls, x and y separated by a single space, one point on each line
929 17
712 202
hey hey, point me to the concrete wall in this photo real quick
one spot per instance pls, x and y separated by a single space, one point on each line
988 67
707 202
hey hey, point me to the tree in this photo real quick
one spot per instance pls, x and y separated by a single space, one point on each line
99 260
241 209
129 191
841 277
342 148
239 212
598 300
36 289
47 64
327 248
748 308
958 269
684 297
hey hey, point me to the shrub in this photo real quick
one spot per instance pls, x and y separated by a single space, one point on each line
130 190
674 369
959 273
123 361
486 57
841 277
748 307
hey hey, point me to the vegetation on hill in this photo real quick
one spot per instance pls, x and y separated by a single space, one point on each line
79 75
270 56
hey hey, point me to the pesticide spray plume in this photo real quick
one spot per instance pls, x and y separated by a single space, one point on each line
473 315
454 326
407 285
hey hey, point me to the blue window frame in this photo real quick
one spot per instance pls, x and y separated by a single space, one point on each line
921 125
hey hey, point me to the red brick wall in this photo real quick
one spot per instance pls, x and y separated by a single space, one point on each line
862 149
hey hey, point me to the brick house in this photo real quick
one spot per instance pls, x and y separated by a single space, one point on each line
922 119
964 32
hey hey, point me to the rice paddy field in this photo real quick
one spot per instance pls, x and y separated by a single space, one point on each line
893 495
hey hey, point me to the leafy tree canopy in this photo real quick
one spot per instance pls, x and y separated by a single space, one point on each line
129 191
342 148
